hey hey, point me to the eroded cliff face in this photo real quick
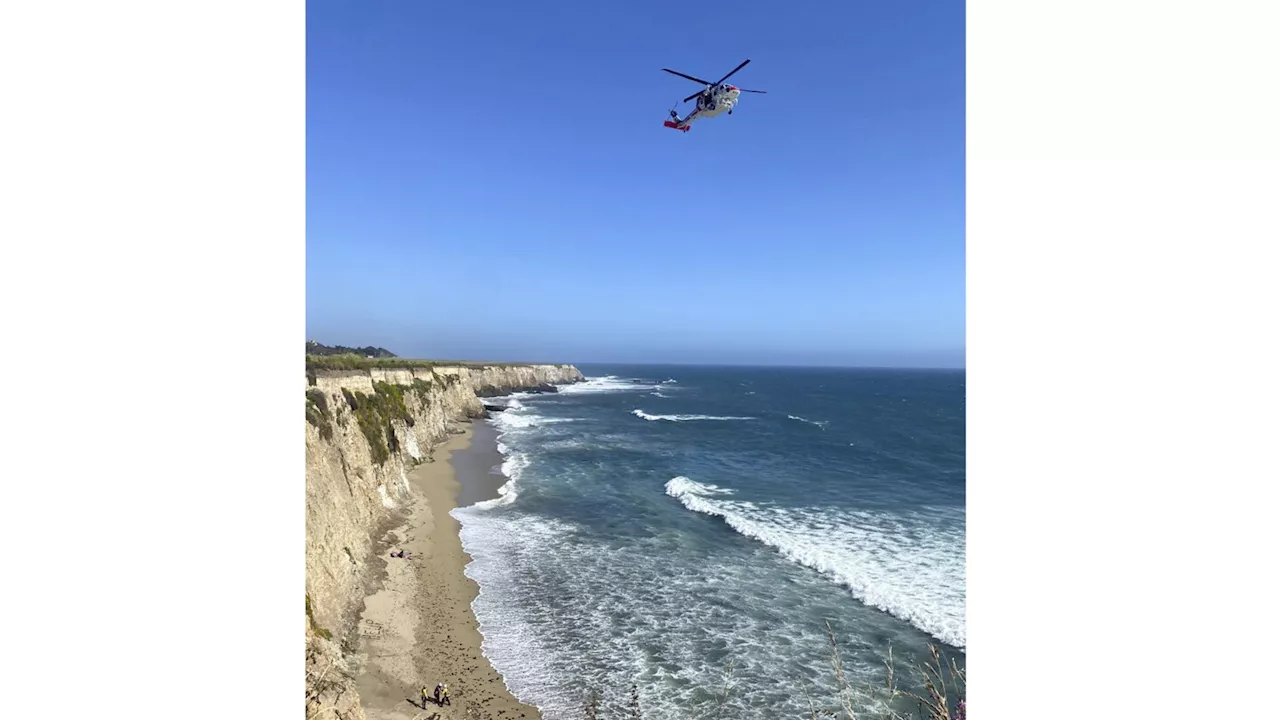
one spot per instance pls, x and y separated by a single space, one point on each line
365 430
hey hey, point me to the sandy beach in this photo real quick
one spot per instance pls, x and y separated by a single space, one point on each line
418 628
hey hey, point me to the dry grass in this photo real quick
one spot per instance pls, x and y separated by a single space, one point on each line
591 708
945 699
327 682
941 680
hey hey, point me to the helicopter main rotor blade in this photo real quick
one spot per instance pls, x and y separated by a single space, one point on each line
726 77
762 92
687 77
716 83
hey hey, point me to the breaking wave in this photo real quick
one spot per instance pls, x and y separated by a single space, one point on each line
608 383
820 423
595 577
558 607
513 467
683 418
519 419
904 564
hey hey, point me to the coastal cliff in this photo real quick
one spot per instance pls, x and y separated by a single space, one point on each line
365 429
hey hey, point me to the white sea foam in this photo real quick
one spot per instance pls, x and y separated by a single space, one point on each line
908 565
606 384
518 419
682 486
670 381
512 420
820 423
509 420
506 496
561 606
496 399
559 610
513 467
572 443
683 418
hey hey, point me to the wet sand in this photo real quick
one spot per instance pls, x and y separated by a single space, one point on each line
418 628
479 466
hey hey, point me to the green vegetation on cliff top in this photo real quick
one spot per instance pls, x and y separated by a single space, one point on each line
340 357
352 361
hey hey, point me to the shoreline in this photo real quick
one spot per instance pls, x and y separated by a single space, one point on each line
478 467
418 627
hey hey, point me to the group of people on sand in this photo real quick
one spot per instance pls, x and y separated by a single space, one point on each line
440 697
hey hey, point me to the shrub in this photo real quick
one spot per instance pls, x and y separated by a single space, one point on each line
375 414
391 398
422 389
371 424
318 413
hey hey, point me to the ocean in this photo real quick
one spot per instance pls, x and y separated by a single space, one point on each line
661 524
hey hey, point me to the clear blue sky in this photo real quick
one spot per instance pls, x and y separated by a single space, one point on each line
492 180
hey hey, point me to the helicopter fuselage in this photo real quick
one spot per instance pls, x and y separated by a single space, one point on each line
723 98
714 99
720 99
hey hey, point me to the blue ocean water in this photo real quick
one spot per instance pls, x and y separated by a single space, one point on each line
660 523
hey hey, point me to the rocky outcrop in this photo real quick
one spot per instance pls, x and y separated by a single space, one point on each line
365 430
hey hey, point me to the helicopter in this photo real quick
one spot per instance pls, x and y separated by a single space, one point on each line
713 99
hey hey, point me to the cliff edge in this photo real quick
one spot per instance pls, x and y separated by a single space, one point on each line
365 429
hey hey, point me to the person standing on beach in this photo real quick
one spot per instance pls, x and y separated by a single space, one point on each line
424 695
424 698
444 695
